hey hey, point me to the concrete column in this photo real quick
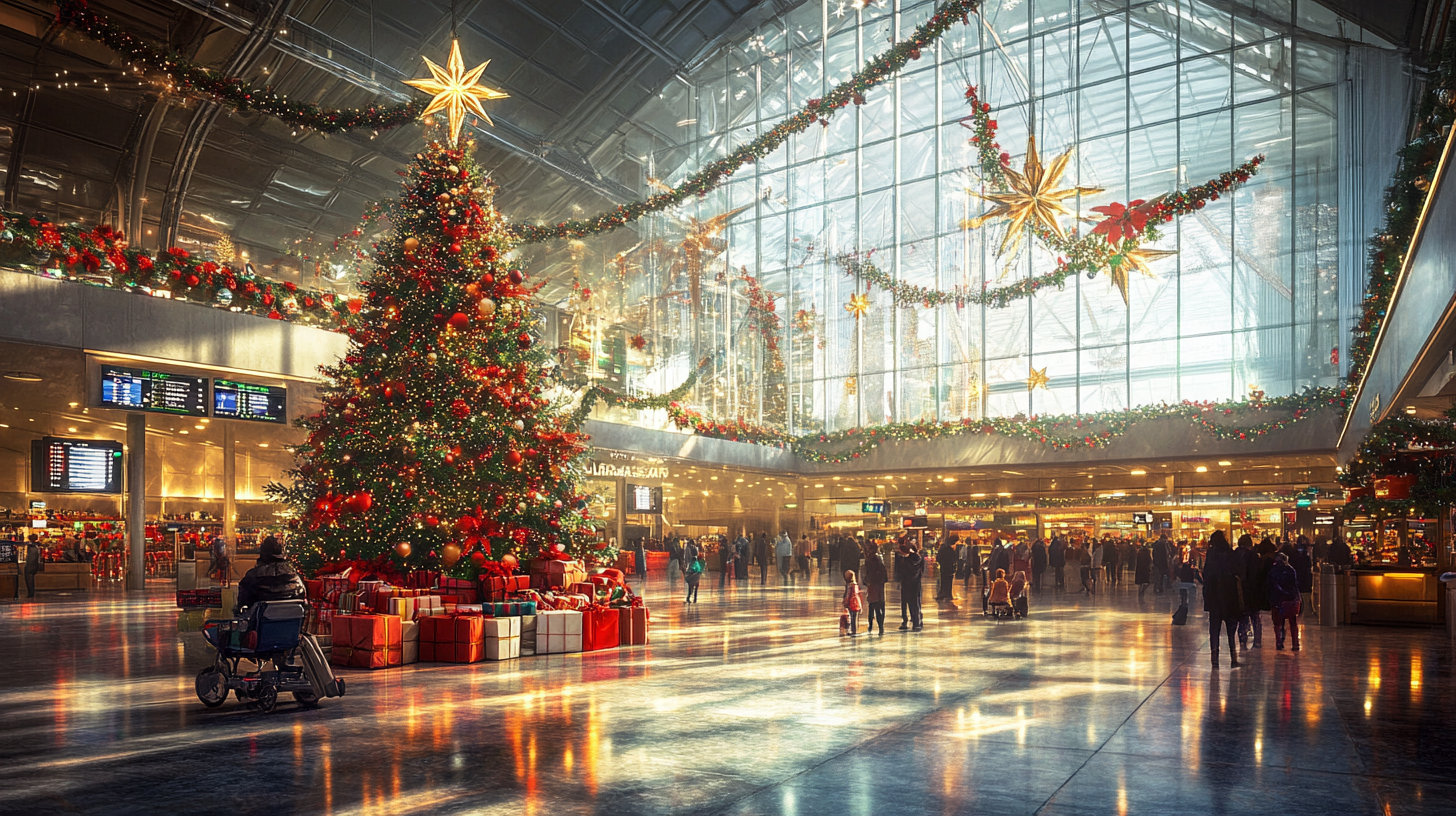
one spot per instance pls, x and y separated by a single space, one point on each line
621 527
136 500
229 486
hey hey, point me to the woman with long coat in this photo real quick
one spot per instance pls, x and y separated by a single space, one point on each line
1223 593
1142 574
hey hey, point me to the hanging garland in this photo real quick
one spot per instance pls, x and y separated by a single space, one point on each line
1055 432
1114 243
101 256
1420 451
763 317
1404 200
822 110
187 77
600 392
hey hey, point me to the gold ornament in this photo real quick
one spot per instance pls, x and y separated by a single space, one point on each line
1033 199
456 90
858 305
1134 259
1037 379
403 548
1256 394
851 386
450 554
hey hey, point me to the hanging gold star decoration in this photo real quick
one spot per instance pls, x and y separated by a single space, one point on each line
1037 379
1134 260
1033 200
456 90
858 305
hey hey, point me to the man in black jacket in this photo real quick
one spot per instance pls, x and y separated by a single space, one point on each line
1057 560
910 571
272 579
1162 564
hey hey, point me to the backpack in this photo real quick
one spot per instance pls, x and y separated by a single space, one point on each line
696 568
1180 615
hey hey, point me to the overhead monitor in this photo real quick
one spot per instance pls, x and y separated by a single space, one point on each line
240 400
75 465
1142 518
915 522
138 389
876 507
644 499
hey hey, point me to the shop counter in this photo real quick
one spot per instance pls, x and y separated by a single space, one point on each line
64 576
1396 595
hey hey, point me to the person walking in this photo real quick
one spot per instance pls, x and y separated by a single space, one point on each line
1303 566
910 571
725 563
1223 594
1038 563
803 551
1095 557
1250 574
1083 559
1284 600
762 557
674 560
784 550
1110 562
945 565
849 558
1020 558
1057 560
1142 573
692 570
875 577
851 602
973 563
221 565
1188 579
1339 554
641 559
34 563
1162 564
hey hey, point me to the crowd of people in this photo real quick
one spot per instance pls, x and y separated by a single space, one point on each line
1239 583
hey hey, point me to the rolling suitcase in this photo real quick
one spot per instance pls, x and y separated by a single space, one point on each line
316 667
1180 615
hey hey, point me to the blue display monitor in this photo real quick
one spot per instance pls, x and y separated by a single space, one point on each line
259 403
75 465
136 389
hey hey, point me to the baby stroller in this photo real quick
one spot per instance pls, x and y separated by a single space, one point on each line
273 633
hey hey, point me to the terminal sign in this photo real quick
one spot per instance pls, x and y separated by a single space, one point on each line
135 389
239 400
876 507
75 466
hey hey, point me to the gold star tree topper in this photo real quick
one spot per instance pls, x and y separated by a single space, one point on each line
1033 200
858 305
456 90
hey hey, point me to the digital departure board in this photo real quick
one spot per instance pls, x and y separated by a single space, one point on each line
239 400
136 389
75 466
644 499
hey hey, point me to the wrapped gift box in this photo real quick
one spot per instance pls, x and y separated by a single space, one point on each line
349 603
502 628
495 588
506 609
470 609
411 652
502 648
367 641
528 634
552 574
460 587
320 621
314 589
452 639
337 583
410 634
586 588
600 629
558 632
632 625
422 579
421 606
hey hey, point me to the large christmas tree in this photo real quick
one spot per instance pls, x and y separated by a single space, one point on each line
437 445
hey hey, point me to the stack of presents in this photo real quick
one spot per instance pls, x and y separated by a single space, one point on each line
556 609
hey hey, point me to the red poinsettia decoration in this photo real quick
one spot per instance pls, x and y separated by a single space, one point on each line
1121 222
638 342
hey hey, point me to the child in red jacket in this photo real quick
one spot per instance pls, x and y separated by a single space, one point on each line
851 601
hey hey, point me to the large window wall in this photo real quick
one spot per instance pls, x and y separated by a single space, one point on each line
1150 96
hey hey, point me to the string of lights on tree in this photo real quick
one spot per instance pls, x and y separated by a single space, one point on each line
1063 432
184 76
821 110
436 446
101 256
1404 200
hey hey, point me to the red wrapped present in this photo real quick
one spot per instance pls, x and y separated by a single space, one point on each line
452 639
314 588
586 588
639 626
367 641
600 629
458 586
320 621
422 579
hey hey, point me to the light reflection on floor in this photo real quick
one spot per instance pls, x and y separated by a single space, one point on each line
745 703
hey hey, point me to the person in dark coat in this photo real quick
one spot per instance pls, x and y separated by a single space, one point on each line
1303 566
271 579
945 565
640 558
1284 600
1038 563
1162 564
742 554
1110 557
1256 595
1340 554
850 555
875 578
910 570
1142 573
1057 560
1223 595
33 564
973 563
762 557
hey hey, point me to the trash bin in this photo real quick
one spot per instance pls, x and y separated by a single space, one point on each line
1332 596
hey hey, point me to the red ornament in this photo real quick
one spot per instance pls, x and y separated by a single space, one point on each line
460 409
523 341
513 458
516 277
459 321
478 558
455 248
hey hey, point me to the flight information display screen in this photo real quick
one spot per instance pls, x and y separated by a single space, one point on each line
75 465
136 389
239 400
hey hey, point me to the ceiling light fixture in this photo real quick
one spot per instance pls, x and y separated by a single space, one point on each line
1410 410
1224 463
23 376
1139 472
1200 469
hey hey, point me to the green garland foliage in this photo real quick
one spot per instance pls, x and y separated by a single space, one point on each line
1424 449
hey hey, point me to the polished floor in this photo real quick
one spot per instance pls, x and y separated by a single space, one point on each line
746 703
